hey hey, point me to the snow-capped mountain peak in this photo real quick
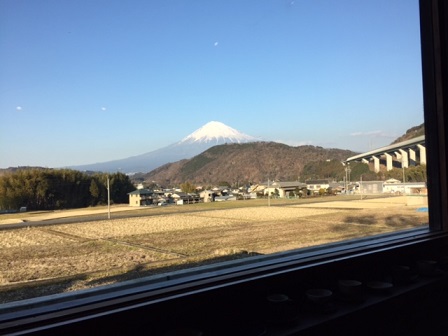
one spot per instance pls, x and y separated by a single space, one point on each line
217 132
211 134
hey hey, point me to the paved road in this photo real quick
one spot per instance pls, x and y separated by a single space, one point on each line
74 216
53 222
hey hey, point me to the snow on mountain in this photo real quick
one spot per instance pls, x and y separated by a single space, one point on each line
211 134
215 131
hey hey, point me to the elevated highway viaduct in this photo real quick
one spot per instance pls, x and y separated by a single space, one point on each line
402 155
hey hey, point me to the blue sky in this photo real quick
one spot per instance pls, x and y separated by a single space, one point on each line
92 81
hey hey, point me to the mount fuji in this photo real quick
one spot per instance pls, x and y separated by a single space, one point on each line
211 134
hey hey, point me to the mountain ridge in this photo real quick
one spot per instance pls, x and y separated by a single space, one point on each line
211 134
254 162
164 169
411 133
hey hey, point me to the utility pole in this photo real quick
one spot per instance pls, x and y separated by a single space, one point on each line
348 170
345 180
347 176
402 166
269 195
360 186
108 198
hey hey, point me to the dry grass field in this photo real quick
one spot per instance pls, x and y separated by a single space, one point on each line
60 258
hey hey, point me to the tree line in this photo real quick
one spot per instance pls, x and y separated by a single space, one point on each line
52 189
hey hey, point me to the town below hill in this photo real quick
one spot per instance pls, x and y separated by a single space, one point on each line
233 165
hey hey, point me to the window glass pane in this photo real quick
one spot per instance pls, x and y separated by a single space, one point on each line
315 108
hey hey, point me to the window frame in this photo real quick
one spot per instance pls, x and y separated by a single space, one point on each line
433 26
47 313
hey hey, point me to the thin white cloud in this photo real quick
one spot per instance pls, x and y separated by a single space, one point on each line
379 134
19 108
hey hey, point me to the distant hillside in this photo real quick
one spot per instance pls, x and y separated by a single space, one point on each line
14 169
411 133
254 162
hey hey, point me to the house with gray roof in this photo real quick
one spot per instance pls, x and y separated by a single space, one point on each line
315 185
284 189
141 197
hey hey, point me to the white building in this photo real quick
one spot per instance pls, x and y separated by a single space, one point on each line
393 186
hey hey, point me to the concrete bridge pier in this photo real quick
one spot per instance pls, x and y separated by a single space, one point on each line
376 163
404 158
389 165
412 157
422 150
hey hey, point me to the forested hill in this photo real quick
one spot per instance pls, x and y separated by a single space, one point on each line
50 189
250 162
411 133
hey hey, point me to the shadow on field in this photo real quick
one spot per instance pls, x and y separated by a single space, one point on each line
394 221
40 288
143 270
402 221
365 220
81 281
344 232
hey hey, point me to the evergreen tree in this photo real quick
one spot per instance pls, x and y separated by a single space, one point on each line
44 189
94 192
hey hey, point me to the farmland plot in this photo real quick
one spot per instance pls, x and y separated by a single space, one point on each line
74 256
